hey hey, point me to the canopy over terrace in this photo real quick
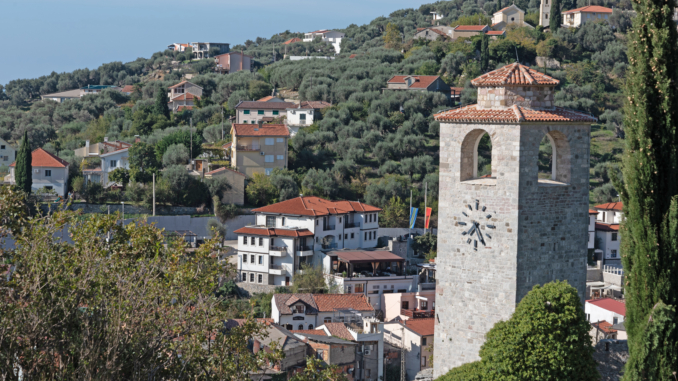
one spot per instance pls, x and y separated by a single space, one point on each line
369 263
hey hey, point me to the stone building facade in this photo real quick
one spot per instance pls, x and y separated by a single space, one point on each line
501 235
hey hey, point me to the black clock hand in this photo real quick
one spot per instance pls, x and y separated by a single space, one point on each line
479 234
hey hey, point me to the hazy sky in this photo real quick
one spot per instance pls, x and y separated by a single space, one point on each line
41 36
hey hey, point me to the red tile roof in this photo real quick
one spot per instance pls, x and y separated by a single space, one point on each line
224 169
339 330
127 89
253 105
267 98
604 326
178 84
470 28
185 97
514 114
423 327
514 74
610 305
281 300
336 302
607 227
503 9
610 206
420 81
264 130
309 332
274 232
183 107
591 211
495 32
432 30
591 9
316 206
362 256
227 145
42 158
292 41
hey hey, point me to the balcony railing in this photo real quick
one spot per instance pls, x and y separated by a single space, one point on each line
329 246
348 225
304 248
427 286
276 267
248 147
329 227
417 314
278 248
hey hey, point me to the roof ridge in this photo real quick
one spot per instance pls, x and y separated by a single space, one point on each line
518 112
527 75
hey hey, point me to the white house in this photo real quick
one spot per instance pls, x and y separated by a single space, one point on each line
111 161
49 171
578 17
608 218
409 305
308 311
329 36
304 115
606 309
286 235
416 335
7 153
183 95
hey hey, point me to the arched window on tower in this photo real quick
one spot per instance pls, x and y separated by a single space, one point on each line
476 157
546 158
484 155
553 161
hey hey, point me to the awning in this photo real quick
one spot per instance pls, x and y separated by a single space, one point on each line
421 298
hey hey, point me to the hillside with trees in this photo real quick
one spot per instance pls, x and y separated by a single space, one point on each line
371 145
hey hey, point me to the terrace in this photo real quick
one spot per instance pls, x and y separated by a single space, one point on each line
358 263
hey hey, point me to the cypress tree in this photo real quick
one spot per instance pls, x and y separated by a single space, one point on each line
555 17
650 192
23 171
161 101
498 6
484 52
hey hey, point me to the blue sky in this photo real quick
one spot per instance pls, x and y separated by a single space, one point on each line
42 36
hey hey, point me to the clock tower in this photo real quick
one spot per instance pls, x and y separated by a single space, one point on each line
502 233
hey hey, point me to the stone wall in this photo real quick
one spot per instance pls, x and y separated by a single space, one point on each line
249 289
532 229
130 209
526 96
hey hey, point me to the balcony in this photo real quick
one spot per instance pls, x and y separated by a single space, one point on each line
277 251
348 225
248 147
329 246
276 270
426 286
304 251
417 314
329 227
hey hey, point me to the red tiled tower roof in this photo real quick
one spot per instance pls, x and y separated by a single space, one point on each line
514 114
514 74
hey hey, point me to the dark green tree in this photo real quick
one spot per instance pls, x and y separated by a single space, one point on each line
555 18
498 5
484 52
23 173
161 101
547 338
142 162
649 191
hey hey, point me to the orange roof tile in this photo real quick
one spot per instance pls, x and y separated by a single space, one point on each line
127 89
339 330
514 114
292 41
591 211
274 232
590 9
610 305
264 130
183 107
281 300
470 28
316 206
42 158
420 81
514 74
266 98
185 97
495 32
610 206
309 332
335 302
604 326
423 327
607 227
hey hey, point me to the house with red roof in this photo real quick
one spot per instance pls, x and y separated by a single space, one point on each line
304 114
259 148
183 95
608 219
310 311
577 17
236 193
416 336
419 83
49 171
610 310
434 33
297 232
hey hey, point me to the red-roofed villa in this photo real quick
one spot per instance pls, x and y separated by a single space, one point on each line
421 83
49 171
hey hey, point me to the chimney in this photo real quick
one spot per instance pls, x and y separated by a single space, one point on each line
106 139
260 123
137 139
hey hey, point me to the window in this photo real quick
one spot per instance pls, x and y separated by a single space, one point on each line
252 241
276 112
352 235
345 236
272 241
327 320
261 278
405 305
246 112
244 258
280 140
270 141
320 354
614 235
261 259
588 317
244 277
48 173
289 327
302 116
339 237
283 221
423 341
424 305
270 221
299 309
615 320
5 158
316 223
316 239
359 288
281 157
269 171
349 289
251 278
613 253
310 326
339 219
423 361
301 326
433 306
252 258
270 158
260 112
365 236
244 240
114 163
367 373
261 241
2 147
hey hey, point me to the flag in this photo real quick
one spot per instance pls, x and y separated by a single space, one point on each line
413 216
428 217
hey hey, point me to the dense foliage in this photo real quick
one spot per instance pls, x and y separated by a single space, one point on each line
650 193
23 171
546 338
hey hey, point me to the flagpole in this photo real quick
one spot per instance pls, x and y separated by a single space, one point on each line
425 204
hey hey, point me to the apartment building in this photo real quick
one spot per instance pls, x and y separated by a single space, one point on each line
253 112
259 148
608 219
289 234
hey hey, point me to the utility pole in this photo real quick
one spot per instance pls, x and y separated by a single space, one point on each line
190 128
154 195
403 368
409 222
425 204
222 123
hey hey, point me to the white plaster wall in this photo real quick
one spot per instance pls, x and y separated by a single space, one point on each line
596 314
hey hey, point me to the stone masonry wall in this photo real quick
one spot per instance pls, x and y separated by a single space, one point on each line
539 234
526 96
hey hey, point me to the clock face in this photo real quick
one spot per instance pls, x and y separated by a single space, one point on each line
476 226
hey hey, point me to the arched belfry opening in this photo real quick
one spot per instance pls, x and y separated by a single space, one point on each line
554 160
483 156
476 156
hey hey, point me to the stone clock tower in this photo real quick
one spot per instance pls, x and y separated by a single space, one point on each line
499 235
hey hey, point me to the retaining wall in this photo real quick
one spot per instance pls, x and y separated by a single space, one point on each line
248 289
